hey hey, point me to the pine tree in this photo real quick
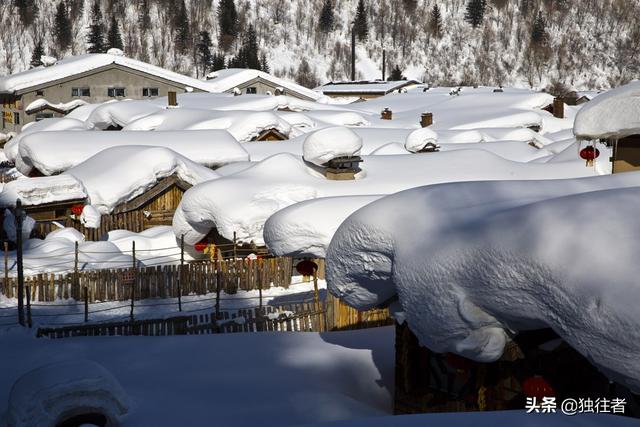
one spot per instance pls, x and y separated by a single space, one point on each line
205 58
96 30
539 31
435 22
249 54
183 31
228 22
475 12
36 56
305 75
264 65
217 62
326 17
62 28
360 25
114 39
396 74
27 10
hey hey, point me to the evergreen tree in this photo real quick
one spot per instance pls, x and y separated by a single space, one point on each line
435 22
326 17
305 75
205 58
360 25
228 22
183 32
217 62
114 39
96 30
36 56
249 54
144 19
62 27
539 31
264 65
396 74
475 12
27 10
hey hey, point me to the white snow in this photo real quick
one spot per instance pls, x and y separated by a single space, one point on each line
118 174
376 86
615 113
39 191
54 152
327 144
90 217
473 263
64 107
419 138
48 394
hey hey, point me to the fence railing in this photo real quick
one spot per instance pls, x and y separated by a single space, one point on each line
327 315
167 281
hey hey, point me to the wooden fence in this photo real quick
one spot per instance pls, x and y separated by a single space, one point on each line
198 278
328 315
131 221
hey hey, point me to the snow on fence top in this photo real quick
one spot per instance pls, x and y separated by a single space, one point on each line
225 80
84 63
54 152
119 174
614 114
502 257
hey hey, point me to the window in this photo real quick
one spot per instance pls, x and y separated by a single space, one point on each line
115 91
39 93
252 90
16 118
42 116
150 91
80 91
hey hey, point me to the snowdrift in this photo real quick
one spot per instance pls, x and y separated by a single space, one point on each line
474 263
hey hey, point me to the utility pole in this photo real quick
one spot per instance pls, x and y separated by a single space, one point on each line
384 64
19 215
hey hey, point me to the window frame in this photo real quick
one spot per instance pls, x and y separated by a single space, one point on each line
114 92
252 90
150 92
80 92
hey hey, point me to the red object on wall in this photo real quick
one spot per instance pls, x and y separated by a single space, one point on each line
537 387
201 245
306 267
77 209
589 153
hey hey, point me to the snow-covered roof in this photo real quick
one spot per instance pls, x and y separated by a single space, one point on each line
54 152
42 190
85 63
366 86
324 145
615 113
62 107
228 79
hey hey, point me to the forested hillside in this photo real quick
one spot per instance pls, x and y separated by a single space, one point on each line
582 44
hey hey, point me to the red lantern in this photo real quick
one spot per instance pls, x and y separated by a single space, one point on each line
537 387
77 209
306 267
589 153
201 245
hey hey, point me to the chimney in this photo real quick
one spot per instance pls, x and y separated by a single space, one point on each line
386 114
426 120
173 99
558 108
342 168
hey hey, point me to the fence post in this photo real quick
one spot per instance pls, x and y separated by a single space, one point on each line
19 217
86 303
181 273
135 277
6 269
218 280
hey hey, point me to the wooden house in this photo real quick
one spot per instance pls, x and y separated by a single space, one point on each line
626 153
365 90
272 134
536 364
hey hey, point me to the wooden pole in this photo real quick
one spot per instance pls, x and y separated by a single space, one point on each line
235 250
384 64
353 52
18 217
218 280
181 273
6 268
133 284
28 292
86 303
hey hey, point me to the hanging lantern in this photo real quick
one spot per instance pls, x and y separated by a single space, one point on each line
306 267
77 209
201 245
589 154
537 387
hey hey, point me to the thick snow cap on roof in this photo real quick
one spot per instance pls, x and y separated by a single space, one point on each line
473 262
615 113
327 144
87 62
419 138
39 191
119 174
227 79
54 152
